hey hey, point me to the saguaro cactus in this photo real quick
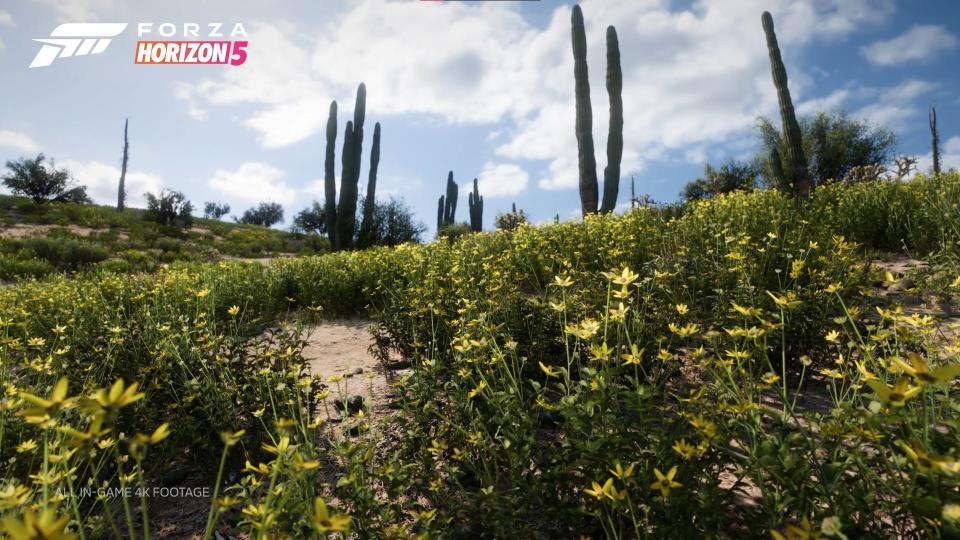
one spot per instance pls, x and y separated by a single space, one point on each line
350 175
440 212
611 174
450 206
475 201
934 140
122 189
796 161
329 177
346 179
366 226
587 161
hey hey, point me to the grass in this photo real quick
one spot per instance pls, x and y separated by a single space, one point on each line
77 237
644 375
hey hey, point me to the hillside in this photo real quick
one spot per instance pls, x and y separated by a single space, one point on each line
40 239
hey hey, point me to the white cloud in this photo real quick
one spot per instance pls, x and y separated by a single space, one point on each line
833 101
81 10
18 141
895 106
918 43
691 77
102 181
5 17
500 180
949 156
253 182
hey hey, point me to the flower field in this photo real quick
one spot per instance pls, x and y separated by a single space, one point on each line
727 369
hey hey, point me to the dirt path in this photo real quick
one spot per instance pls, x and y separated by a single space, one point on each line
339 351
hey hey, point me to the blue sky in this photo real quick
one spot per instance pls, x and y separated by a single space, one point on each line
483 89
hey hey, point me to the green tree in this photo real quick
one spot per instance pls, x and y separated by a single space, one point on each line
267 214
732 175
312 219
212 210
43 183
169 208
834 145
393 224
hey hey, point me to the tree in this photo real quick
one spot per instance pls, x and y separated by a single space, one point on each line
42 183
312 219
122 189
732 175
212 210
508 221
393 224
267 214
834 144
169 208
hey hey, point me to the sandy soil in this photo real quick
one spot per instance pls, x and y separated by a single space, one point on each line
342 348
23 230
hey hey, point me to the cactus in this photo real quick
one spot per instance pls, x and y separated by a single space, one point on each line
350 175
611 174
346 174
587 162
440 210
475 201
450 208
776 169
934 140
121 189
796 161
329 177
366 226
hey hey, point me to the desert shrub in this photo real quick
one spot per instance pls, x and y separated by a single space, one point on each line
169 208
13 268
43 182
267 214
454 231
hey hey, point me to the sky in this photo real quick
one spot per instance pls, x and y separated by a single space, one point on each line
484 89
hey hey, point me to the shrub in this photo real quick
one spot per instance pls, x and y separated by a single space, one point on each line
170 208
265 215
212 210
43 183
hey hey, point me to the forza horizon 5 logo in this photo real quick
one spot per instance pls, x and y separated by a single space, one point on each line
165 47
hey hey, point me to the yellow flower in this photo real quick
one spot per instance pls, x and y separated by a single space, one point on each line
746 311
665 482
951 512
42 408
626 277
682 309
158 435
233 310
785 302
685 449
280 448
896 395
622 473
231 439
606 490
40 527
549 370
832 336
28 445
203 293
473 393
562 281
919 369
633 357
119 396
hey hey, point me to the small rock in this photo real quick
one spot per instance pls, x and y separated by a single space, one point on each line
354 371
400 364
352 404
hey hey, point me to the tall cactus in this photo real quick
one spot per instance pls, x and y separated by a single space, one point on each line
346 175
776 169
350 177
366 226
611 174
587 161
122 188
796 161
330 177
450 206
475 201
440 212
934 140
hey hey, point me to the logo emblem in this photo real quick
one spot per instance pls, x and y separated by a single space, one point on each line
76 39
